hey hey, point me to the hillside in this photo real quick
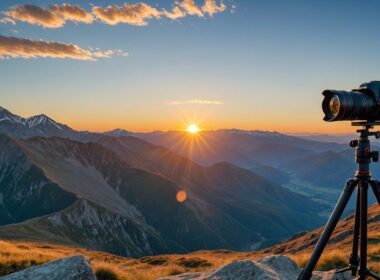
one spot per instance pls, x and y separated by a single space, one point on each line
339 247
341 238
15 255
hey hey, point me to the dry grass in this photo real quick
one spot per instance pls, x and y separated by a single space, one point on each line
338 258
17 255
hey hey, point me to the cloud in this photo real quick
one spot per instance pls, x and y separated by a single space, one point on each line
8 20
73 13
12 47
195 101
36 15
135 14
54 17
210 7
176 13
190 8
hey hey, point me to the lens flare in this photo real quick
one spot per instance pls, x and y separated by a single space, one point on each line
193 128
181 196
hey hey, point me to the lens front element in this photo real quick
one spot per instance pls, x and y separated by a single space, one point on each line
334 106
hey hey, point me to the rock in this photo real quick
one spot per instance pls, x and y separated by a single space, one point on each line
268 268
331 275
71 268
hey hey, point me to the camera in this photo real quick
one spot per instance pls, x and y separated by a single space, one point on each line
359 104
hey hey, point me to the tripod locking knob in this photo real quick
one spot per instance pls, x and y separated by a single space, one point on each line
375 156
354 143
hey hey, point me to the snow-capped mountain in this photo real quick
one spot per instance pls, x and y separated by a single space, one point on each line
39 125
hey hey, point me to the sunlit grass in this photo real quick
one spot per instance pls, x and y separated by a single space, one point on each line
17 255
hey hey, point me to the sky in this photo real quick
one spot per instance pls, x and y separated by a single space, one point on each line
159 65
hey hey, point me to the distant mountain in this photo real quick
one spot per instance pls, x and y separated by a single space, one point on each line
114 203
246 149
273 174
328 169
243 148
331 138
118 132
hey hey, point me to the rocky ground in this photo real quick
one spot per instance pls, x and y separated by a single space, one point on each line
271 267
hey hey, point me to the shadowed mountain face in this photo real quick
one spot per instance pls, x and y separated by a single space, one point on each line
126 198
247 197
328 169
25 190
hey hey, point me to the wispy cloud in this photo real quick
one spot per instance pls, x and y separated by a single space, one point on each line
13 47
190 7
56 16
73 13
175 13
35 15
211 7
135 14
195 101
8 20
53 17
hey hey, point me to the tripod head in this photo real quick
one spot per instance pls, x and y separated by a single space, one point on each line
363 154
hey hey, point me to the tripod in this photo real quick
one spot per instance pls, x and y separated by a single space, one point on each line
362 181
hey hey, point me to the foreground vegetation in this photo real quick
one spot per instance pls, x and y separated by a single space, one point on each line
17 255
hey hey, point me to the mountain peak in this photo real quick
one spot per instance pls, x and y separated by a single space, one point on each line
41 119
117 132
5 115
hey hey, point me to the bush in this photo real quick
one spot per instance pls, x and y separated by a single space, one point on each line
105 274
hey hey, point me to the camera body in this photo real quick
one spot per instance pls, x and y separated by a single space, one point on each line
359 104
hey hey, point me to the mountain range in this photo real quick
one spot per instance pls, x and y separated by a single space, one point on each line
118 194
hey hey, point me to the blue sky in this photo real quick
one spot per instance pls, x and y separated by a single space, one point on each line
261 67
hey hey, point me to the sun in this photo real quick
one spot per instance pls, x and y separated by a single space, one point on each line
193 128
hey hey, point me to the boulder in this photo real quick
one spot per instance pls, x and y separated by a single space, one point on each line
268 268
70 268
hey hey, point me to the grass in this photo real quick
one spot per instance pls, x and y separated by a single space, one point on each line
18 255
335 259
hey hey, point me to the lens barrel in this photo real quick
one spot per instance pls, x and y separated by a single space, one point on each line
349 105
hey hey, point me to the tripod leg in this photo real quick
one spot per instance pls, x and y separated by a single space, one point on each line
376 189
354 259
363 187
328 230
373 275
